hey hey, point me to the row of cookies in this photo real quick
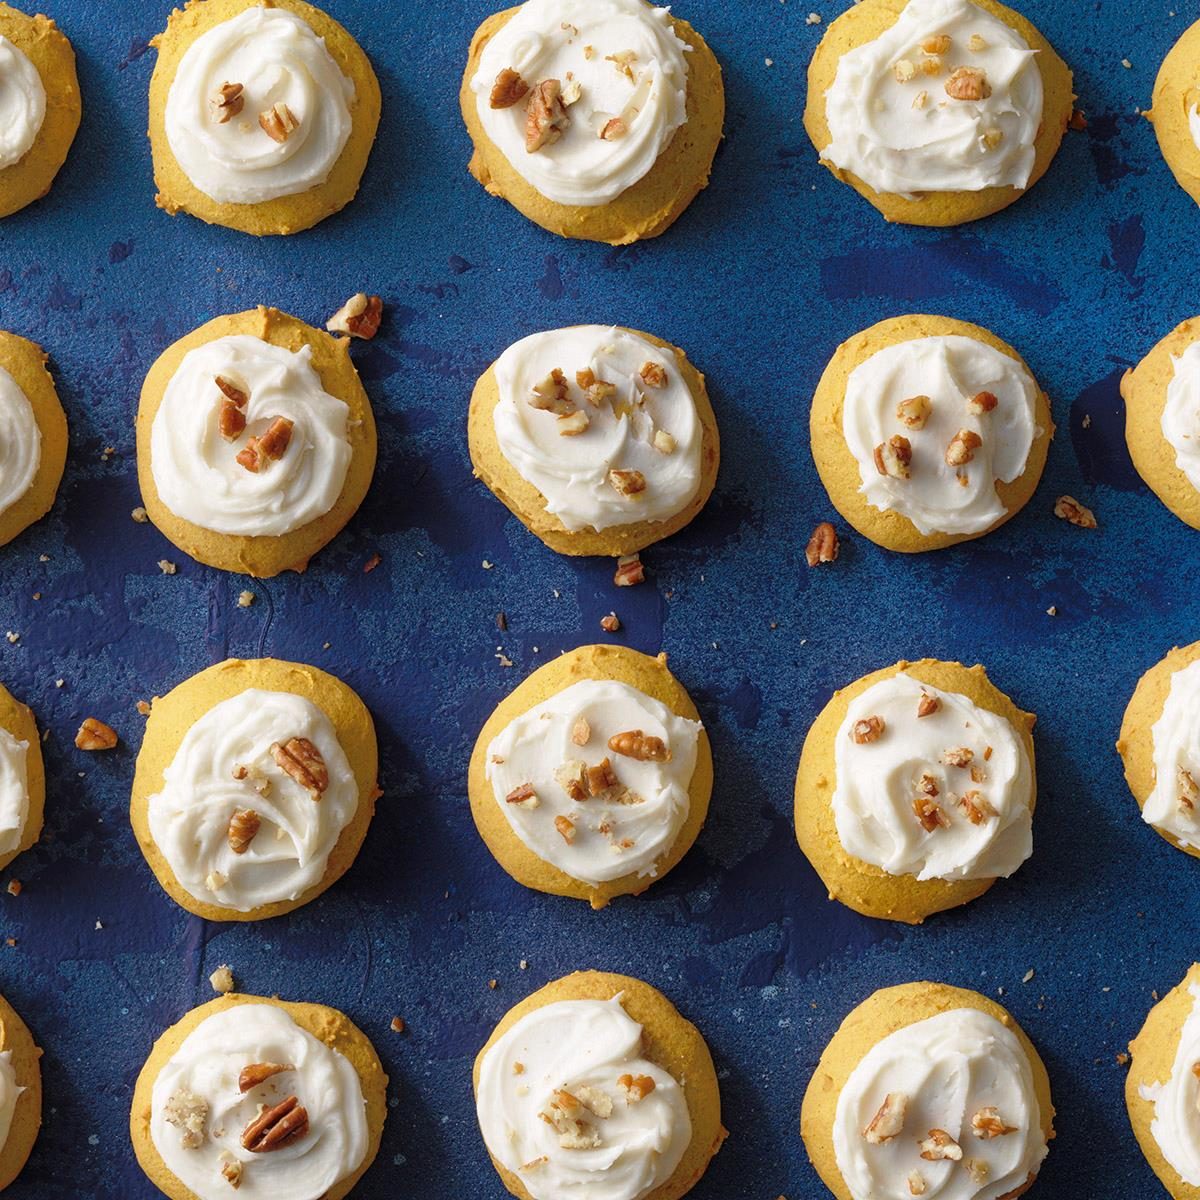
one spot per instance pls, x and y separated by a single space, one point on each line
596 119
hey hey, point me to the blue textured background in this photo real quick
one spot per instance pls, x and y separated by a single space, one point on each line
770 268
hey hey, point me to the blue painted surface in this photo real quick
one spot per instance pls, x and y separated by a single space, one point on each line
771 267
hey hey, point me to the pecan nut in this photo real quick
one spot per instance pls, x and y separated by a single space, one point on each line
645 747
822 546
545 115
359 317
278 122
300 759
256 1073
276 1127
508 89
243 827
226 102
95 735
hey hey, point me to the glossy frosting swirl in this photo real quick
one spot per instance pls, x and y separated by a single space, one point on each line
22 103
20 442
1174 804
1181 413
14 791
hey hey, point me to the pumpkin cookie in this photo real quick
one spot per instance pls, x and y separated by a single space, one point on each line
592 779
255 442
928 431
933 1087
596 119
1175 112
1160 747
20 1093
596 1062
243 1076
39 106
916 790
601 440
262 116
22 779
1162 419
937 111
33 449
254 788
1161 1088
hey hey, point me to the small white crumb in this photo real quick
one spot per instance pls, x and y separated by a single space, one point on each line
813 19
1027 976
59 682
43 558
504 660
13 638
326 645
167 568
524 964
557 594
99 925
1126 64
1052 611
487 566
245 599
1087 420
140 515
222 979
770 62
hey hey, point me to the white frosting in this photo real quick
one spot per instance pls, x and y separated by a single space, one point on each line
896 142
572 40
10 1092
277 59
878 781
1181 414
189 818
20 442
14 791
207 1065
949 1067
950 371
22 103
531 749
577 1045
1176 1124
1176 738
196 470
572 472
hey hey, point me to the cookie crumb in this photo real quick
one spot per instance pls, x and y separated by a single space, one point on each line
143 707
167 568
487 566
14 887
611 623
1027 976
245 599
493 984
13 638
1122 1059
813 19
1052 611
372 563
140 515
398 1025
221 980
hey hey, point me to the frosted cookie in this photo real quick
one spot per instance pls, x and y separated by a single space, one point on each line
1175 113
255 442
254 788
916 790
20 1093
33 435
1160 747
937 111
1161 1088
596 1086
600 439
259 1098
928 431
592 779
22 779
928 1090
261 115
1162 419
40 106
596 119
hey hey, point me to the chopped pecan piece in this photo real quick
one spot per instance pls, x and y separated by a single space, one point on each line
958 756
275 441
928 705
231 1172
545 115
627 482
251 456
976 807
571 776
931 65
254 1074
243 826
508 89
986 1124
95 735
653 374
992 138
596 390
940 1145
276 1127
613 129
601 777
278 122
930 814
894 457
581 732
976 42
644 747
888 1122
635 1087
914 411
916 1183
822 546
1189 790
610 623
359 317
226 102
629 571
231 391
1067 508
968 83
574 423
905 71
962 447
976 1169
566 829
938 44
189 1113
551 395
231 421
523 795
300 759
664 442
869 729
623 61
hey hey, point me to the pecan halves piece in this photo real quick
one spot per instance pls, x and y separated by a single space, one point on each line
968 83
225 102
962 447
95 735
1067 508
243 827
940 1145
914 412
822 546
869 729
888 1122
635 1087
276 1127
301 760
645 747
277 439
928 705
601 777
359 317
524 795
893 458
545 115
982 403
278 122
254 1074
508 89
